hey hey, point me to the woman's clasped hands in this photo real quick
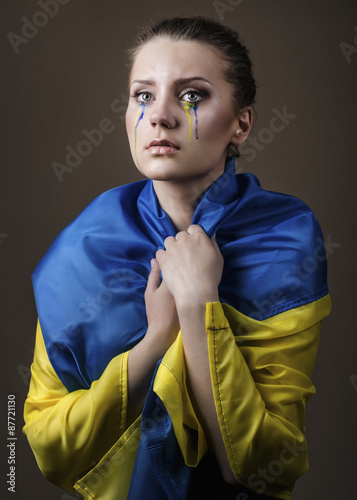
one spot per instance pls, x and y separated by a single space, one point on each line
191 267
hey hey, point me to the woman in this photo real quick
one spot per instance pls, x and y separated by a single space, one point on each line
176 339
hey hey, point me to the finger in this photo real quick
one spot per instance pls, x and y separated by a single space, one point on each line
181 234
154 279
159 255
169 241
195 228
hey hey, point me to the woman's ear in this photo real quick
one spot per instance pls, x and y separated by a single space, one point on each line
245 123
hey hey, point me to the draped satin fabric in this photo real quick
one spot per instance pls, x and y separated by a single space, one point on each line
89 287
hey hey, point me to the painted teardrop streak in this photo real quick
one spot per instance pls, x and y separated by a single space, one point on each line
187 107
139 115
196 124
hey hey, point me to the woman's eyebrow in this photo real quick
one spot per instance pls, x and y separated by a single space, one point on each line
143 82
193 78
181 81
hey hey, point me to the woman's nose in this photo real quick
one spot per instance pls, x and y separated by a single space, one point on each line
163 113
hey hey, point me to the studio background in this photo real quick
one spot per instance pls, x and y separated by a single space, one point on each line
70 76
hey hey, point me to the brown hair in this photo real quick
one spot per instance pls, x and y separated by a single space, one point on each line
238 68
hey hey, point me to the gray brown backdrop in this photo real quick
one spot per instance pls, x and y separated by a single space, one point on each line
67 74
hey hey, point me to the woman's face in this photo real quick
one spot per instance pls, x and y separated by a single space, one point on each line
180 118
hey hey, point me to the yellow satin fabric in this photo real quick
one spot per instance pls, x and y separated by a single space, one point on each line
69 432
261 379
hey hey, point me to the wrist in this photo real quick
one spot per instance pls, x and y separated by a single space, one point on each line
153 348
193 312
157 341
195 302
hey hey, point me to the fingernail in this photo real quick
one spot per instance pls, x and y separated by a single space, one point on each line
152 262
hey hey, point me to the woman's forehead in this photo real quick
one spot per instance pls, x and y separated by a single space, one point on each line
166 58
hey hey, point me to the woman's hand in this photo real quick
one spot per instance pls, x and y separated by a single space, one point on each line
163 327
163 324
191 267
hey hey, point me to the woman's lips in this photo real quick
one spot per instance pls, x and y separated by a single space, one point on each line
162 147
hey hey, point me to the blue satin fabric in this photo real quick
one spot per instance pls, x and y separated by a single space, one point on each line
159 472
89 287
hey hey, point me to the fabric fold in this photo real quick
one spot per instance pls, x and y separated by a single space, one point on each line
89 291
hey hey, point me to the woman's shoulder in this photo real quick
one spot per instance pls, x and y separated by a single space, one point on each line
252 191
266 210
110 214
121 198
275 247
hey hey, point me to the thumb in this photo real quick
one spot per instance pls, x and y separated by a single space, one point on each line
154 279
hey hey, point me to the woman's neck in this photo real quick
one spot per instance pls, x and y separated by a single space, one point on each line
179 199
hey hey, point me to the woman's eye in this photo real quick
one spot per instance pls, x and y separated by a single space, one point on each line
191 97
144 96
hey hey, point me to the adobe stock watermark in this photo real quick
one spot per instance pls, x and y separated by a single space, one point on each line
31 27
261 479
86 310
3 236
347 49
353 379
110 467
265 136
297 274
67 496
222 7
292 278
92 139
25 371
